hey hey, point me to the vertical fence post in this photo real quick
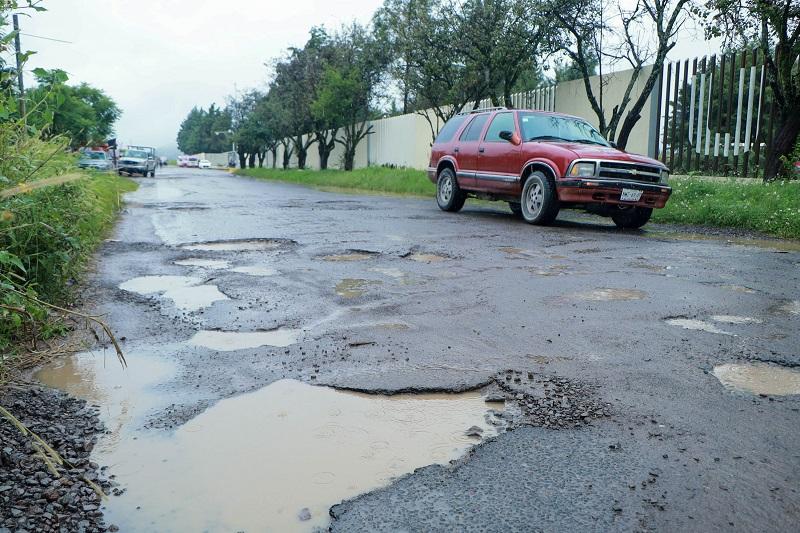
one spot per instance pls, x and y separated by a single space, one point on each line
729 115
683 111
748 131
658 112
737 133
700 109
674 114
718 122
664 96
690 145
709 109
760 120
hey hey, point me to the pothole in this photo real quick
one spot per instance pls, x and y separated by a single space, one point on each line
228 341
606 295
255 270
421 257
350 255
354 288
283 455
731 319
791 308
739 288
213 264
237 245
759 378
186 292
696 325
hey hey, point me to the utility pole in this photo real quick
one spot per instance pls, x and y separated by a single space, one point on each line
20 82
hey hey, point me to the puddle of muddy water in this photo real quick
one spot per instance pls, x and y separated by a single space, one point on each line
255 270
768 244
234 245
792 308
228 341
253 462
395 273
213 264
186 292
759 378
354 288
731 319
428 257
353 256
608 295
696 325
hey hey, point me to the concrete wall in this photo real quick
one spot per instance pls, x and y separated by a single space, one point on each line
405 140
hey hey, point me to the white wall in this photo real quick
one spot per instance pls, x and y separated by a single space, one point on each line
405 140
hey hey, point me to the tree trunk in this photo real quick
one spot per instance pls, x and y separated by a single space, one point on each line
301 157
349 156
242 159
261 157
324 153
251 160
782 144
274 152
627 126
286 157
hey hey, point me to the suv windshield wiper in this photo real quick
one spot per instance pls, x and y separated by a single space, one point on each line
548 138
587 141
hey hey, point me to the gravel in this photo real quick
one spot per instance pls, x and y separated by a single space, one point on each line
32 498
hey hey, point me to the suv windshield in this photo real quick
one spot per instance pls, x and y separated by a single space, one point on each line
94 155
539 127
138 154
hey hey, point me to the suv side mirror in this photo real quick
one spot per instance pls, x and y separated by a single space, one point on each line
510 136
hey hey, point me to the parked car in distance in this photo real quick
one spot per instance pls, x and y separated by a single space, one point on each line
95 160
188 161
204 163
540 162
137 161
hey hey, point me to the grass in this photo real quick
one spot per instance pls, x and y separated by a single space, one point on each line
403 181
772 208
47 236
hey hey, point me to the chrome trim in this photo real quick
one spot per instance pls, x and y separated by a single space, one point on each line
632 172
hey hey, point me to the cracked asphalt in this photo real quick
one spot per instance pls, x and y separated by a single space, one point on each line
434 301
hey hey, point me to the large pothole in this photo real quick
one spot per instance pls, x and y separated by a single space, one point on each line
238 245
187 293
759 378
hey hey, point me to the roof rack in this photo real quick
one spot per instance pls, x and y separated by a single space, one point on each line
482 110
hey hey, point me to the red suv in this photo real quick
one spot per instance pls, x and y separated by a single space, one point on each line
540 162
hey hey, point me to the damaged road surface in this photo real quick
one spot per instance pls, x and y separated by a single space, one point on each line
301 360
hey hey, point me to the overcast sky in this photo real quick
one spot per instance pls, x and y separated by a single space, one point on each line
158 58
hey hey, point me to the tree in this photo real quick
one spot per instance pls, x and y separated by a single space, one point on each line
82 113
349 86
775 26
204 131
645 33
249 133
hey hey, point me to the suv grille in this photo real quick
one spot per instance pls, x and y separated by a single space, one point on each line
629 171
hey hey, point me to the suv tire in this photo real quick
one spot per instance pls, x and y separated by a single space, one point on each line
449 195
516 208
632 217
538 201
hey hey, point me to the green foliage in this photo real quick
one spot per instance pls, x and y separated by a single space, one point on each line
772 208
205 131
377 179
83 114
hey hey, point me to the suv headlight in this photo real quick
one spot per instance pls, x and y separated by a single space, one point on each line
664 176
582 170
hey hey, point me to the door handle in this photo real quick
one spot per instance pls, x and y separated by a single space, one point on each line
481 149
455 150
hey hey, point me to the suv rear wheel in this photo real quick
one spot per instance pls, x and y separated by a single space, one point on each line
632 217
538 200
449 195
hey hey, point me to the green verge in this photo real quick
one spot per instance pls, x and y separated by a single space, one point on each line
46 239
772 208
403 181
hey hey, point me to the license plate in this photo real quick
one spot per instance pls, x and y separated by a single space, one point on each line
630 195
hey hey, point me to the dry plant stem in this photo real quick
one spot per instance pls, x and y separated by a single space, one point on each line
91 318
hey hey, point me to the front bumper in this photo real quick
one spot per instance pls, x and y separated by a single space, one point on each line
608 191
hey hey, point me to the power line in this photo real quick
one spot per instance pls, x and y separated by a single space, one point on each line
46 38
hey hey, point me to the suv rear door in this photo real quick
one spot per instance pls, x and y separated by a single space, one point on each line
498 160
466 150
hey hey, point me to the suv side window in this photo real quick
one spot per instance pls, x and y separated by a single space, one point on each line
501 122
473 131
450 128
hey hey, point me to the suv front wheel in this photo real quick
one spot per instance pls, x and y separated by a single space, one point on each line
538 201
449 195
632 217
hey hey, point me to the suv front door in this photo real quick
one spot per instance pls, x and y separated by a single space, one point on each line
466 151
498 160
